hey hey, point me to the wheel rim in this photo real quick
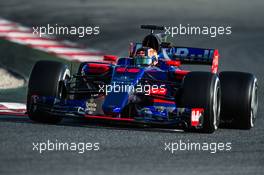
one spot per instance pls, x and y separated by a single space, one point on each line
216 104
254 103
65 76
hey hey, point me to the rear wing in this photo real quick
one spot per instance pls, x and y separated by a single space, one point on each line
185 55
188 55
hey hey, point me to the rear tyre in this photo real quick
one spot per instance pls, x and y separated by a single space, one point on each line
202 90
239 99
45 80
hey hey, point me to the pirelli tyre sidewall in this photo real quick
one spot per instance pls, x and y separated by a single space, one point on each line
202 90
45 80
239 99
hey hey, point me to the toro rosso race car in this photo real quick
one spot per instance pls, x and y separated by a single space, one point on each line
149 86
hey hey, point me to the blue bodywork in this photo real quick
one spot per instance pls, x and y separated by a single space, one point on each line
157 108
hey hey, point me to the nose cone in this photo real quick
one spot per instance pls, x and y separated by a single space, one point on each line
115 102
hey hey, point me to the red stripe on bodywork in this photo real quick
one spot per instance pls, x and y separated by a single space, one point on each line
163 101
97 68
120 69
159 91
181 73
110 58
133 70
215 63
130 70
108 118
173 63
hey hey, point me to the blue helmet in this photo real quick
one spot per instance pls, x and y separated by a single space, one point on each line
145 56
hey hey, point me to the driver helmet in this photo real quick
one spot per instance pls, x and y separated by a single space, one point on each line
146 56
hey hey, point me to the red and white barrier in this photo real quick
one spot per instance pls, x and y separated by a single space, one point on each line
20 34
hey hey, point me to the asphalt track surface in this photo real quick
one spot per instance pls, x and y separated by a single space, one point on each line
132 150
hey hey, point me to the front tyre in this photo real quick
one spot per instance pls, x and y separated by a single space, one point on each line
45 80
202 90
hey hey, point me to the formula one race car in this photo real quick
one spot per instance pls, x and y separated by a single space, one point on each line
149 86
